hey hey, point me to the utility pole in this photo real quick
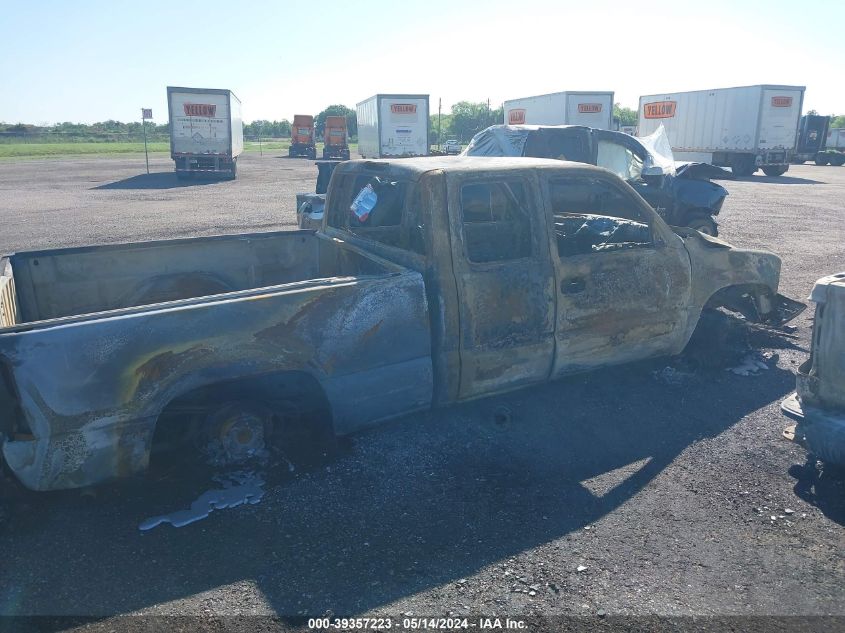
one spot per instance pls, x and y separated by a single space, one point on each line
146 113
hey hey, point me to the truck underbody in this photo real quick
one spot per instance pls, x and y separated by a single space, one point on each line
302 150
187 165
772 162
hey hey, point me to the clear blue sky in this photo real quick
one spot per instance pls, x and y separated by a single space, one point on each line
92 61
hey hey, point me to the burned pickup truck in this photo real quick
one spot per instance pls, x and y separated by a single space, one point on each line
433 280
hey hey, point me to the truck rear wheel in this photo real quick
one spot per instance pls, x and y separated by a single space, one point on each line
743 165
236 431
821 159
775 170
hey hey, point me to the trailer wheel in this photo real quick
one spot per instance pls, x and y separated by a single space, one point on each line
743 165
234 169
775 170
821 159
837 160
703 224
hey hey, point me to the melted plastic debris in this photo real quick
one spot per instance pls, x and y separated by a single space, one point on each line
239 488
671 376
749 366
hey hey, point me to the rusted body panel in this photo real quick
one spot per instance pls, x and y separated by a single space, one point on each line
462 283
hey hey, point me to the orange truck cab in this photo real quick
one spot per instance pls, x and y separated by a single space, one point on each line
302 137
335 138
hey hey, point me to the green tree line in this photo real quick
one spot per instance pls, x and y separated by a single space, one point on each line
464 119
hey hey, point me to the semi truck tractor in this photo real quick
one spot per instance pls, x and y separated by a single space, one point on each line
302 137
591 109
393 125
812 134
745 128
206 131
336 138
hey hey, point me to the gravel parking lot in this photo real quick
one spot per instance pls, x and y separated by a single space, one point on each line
632 491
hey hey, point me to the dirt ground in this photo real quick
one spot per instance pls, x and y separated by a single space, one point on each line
641 490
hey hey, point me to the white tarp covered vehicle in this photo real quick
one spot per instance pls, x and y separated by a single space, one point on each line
683 195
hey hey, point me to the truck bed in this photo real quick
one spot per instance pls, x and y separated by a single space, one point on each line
97 342
54 284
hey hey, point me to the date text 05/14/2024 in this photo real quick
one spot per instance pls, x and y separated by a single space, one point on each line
415 624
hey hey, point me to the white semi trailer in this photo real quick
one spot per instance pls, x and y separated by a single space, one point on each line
206 131
593 109
393 125
745 128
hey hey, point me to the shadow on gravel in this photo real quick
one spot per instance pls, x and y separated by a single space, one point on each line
781 180
159 180
415 504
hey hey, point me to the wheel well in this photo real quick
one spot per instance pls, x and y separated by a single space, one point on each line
742 298
300 408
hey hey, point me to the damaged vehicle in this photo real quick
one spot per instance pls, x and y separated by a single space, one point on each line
683 195
819 401
431 281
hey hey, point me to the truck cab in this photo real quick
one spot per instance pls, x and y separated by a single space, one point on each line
302 137
335 138
536 268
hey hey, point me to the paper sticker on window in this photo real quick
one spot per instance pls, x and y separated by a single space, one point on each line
364 203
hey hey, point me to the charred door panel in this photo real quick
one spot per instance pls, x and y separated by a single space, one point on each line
623 282
505 283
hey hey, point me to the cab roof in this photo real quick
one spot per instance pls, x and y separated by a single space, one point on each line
413 168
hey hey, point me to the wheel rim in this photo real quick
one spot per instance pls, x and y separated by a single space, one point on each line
234 434
242 436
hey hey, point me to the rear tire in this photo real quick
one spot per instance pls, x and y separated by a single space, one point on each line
775 170
703 224
821 160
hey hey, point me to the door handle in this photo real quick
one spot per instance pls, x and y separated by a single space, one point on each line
573 286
